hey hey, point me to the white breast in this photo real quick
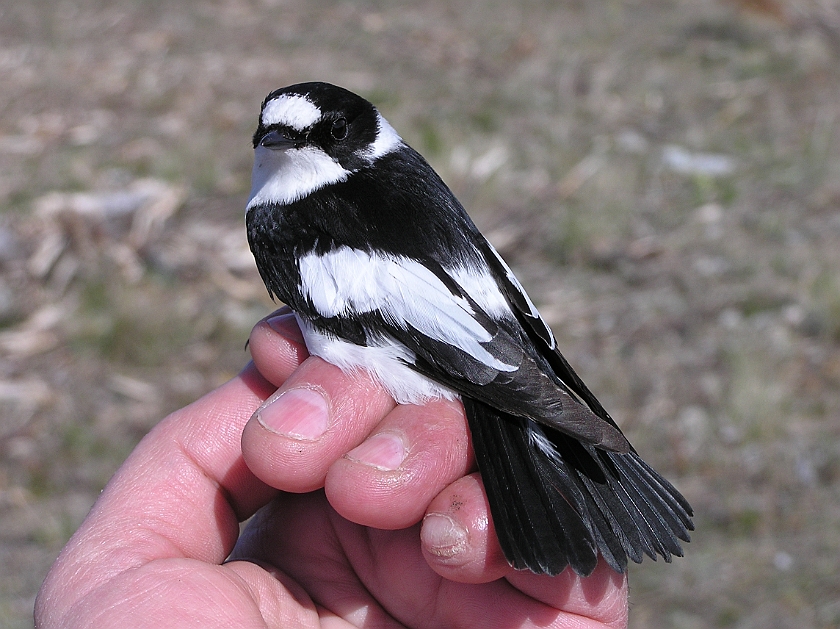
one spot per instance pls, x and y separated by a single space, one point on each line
387 361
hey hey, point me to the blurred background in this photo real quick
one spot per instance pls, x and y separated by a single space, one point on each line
663 176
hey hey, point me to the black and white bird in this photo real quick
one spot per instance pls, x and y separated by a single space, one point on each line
386 273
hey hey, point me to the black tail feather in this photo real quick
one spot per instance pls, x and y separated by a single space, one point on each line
556 502
677 504
668 525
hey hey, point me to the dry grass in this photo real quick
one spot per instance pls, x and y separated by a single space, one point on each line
663 174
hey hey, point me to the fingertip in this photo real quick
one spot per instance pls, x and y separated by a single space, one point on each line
388 480
370 486
277 346
279 439
457 535
285 324
318 414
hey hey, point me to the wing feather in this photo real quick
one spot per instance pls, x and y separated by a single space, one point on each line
456 340
348 282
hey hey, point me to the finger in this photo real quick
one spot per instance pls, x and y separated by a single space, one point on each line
459 543
277 346
457 536
601 596
310 422
415 451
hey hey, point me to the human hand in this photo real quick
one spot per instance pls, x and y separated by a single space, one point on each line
153 550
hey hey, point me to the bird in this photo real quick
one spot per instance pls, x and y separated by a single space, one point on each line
387 274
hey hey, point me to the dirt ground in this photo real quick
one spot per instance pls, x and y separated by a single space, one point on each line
663 175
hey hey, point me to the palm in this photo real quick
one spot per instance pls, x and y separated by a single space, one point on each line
367 575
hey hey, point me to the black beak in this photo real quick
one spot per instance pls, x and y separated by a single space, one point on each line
277 141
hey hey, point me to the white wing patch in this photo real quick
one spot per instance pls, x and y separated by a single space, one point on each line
515 282
388 363
291 110
346 281
286 176
483 290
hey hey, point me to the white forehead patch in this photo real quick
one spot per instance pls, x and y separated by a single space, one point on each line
292 110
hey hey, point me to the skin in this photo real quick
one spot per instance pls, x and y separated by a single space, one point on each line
365 514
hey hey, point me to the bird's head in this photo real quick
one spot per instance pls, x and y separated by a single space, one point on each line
311 135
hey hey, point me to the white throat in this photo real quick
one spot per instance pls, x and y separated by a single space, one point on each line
283 177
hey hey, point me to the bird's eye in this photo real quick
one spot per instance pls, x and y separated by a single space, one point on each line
339 129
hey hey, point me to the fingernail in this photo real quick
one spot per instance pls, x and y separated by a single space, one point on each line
286 326
443 536
301 413
385 451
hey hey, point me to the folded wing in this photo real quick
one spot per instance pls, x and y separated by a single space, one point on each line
465 337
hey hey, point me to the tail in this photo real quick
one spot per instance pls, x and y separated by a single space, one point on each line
556 502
